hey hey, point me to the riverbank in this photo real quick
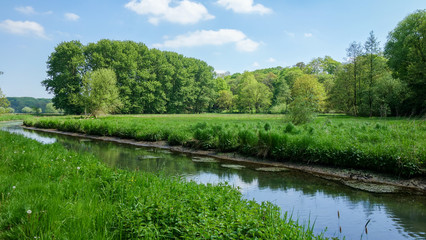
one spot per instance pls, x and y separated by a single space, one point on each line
362 180
50 192
392 146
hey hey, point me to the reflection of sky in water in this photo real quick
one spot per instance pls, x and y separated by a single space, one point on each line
321 209
18 130
301 195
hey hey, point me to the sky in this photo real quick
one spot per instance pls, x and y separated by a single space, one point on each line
230 35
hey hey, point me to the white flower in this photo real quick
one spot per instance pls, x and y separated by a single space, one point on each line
29 211
78 168
14 187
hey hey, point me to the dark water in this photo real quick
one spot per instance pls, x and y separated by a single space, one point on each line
307 198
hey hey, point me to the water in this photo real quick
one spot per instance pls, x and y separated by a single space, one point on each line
309 199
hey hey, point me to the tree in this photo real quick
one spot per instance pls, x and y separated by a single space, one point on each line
4 103
353 53
225 100
406 51
66 66
99 93
252 95
372 49
27 110
308 89
50 108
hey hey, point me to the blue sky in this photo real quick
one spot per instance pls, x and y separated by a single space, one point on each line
230 35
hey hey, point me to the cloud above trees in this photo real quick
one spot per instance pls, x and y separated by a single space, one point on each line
24 28
211 37
182 12
71 17
244 6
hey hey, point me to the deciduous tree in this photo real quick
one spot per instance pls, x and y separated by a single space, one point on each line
99 93
406 51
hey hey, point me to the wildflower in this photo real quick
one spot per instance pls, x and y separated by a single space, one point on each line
14 187
29 211
78 168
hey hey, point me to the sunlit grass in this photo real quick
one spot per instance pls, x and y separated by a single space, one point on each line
48 192
393 145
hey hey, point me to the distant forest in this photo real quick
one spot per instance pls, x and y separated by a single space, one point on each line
18 103
372 82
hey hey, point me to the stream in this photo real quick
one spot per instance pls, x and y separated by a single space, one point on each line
308 199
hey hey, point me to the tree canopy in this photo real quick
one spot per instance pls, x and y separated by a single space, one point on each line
370 83
406 51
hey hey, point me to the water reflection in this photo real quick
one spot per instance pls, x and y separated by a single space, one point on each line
305 196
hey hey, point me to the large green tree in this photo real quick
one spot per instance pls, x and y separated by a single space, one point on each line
66 67
406 50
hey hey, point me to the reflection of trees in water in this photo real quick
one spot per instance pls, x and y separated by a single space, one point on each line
406 210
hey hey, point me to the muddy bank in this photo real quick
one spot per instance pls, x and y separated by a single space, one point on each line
358 179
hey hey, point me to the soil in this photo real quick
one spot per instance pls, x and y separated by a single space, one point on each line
359 179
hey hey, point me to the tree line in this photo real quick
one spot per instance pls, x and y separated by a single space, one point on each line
372 82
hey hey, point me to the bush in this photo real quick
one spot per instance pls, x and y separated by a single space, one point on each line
300 111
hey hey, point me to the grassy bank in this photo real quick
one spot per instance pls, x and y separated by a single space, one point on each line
48 192
396 146
12 117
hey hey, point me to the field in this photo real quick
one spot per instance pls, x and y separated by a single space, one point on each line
392 145
48 192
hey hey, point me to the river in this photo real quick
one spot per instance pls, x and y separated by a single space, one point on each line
308 199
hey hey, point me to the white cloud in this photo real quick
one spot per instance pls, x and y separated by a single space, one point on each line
183 12
256 64
71 16
308 35
28 10
210 37
23 28
244 6
271 60
290 34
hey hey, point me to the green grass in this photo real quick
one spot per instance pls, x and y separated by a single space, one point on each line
48 192
12 117
393 145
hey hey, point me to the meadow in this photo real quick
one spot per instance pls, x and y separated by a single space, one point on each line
48 192
390 145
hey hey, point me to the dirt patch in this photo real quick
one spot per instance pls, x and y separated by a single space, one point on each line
359 179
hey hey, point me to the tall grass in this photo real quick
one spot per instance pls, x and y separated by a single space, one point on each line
396 146
49 192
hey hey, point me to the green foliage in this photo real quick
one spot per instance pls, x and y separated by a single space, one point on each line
395 146
148 80
253 96
406 51
50 191
4 103
6 110
310 92
301 111
27 110
50 108
18 103
99 92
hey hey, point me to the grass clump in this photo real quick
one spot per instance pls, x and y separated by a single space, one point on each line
49 192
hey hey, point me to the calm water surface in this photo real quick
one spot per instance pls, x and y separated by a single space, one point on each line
306 198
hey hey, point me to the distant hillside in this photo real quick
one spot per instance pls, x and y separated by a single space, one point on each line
18 103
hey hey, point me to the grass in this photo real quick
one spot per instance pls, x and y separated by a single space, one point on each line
393 145
12 117
48 192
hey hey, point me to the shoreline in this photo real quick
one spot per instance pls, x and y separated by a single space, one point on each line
357 179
